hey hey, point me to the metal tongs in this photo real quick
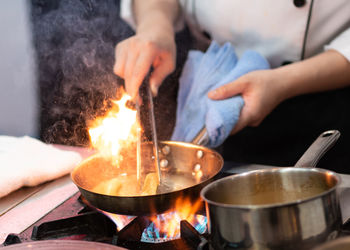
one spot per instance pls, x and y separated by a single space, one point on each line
147 100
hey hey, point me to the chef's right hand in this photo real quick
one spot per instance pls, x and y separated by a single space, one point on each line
134 57
262 91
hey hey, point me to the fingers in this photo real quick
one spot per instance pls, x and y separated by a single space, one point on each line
133 65
139 69
163 66
134 58
242 122
246 118
120 59
227 90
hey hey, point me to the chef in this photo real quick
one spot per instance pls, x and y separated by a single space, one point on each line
307 44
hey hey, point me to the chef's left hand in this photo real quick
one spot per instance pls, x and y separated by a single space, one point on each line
261 90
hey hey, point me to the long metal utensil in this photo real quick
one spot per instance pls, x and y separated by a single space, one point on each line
139 141
154 132
147 99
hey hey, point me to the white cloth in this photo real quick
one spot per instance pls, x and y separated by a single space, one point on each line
273 28
25 161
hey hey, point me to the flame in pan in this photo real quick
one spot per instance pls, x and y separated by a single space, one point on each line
116 130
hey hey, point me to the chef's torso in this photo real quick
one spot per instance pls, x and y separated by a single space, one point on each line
282 31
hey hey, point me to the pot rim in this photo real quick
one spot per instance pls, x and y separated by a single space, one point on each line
273 205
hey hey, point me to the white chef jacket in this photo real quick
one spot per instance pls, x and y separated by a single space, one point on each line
278 29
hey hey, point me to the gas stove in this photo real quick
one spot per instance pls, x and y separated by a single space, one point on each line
74 220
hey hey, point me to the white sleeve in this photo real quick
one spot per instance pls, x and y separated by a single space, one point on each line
126 13
341 44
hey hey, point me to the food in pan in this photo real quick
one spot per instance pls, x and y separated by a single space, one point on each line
150 184
128 185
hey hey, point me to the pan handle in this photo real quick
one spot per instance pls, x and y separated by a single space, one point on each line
202 138
318 148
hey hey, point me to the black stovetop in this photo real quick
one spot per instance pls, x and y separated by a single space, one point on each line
74 220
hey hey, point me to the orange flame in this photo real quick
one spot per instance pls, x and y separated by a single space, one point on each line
118 129
167 226
120 220
169 223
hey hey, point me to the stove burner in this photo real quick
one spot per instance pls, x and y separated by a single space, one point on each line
154 234
129 237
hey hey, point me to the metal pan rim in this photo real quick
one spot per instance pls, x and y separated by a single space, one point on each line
272 205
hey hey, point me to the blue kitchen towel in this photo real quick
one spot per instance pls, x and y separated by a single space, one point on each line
203 72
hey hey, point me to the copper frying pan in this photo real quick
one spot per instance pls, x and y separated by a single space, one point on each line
189 168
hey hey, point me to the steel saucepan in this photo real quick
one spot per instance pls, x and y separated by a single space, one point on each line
278 208
188 168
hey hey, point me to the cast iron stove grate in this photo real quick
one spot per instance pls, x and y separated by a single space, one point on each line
90 225
94 226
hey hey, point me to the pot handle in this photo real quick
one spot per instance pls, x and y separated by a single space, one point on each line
318 148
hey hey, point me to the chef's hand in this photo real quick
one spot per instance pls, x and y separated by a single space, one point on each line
261 91
134 57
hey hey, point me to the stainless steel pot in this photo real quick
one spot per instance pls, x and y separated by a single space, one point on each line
280 208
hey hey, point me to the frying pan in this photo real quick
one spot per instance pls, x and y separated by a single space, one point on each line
185 167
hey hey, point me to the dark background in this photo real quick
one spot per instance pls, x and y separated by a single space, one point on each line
75 42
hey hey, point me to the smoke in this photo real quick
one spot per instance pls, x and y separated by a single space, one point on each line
75 42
